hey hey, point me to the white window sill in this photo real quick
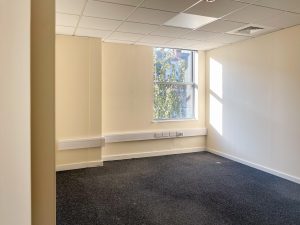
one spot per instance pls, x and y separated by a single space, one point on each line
167 121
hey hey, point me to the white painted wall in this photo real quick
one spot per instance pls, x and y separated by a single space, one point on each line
255 101
15 199
78 76
127 100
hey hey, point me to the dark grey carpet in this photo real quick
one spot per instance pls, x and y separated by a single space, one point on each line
189 189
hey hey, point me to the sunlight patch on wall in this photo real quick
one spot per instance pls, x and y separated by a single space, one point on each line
216 77
216 114
216 95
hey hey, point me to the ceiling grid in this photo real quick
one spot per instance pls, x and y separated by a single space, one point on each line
167 23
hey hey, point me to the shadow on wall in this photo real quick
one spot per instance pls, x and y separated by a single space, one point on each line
216 95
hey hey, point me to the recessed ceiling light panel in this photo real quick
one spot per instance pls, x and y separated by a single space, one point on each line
190 21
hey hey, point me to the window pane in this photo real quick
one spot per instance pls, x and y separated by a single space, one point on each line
173 65
173 101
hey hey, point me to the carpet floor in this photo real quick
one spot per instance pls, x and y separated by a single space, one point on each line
189 189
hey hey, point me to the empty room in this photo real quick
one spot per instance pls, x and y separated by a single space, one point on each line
150 112
186 112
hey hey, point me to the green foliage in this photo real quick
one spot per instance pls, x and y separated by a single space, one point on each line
169 69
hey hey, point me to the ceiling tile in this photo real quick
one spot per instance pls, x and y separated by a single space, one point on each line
222 26
118 41
149 44
138 28
64 30
169 5
282 20
289 5
98 23
200 35
170 31
200 46
92 33
107 10
70 6
178 46
182 43
66 20
125 36
247 1
208 45
215 9
228 38
252 13
124 2
151 39
150 16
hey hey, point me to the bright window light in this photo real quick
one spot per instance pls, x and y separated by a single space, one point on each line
175 84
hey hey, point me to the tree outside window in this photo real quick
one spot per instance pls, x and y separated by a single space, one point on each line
174 84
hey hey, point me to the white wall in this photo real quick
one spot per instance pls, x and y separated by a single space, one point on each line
260 103
127 101
108 87
78 96
15 199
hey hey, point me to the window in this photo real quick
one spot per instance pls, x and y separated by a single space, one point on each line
175 85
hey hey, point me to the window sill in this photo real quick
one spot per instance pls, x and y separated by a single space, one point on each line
167 121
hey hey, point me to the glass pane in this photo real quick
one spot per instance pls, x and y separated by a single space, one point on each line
173 65
173 101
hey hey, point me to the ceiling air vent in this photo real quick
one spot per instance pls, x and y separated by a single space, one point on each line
250 30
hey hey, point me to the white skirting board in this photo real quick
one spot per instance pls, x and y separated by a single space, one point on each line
151 154
256 166
80 165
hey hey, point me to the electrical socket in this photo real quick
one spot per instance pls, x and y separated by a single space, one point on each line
179 133
166 134
158 135
173 134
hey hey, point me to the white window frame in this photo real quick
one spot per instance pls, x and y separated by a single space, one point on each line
194 84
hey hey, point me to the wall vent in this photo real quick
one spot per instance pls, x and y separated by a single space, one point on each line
250 30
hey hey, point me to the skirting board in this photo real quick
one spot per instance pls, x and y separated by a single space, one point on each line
80 165
256 166
151 154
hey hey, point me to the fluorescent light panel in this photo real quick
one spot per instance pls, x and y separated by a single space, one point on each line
190 21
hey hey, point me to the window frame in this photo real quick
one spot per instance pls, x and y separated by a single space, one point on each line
193 84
